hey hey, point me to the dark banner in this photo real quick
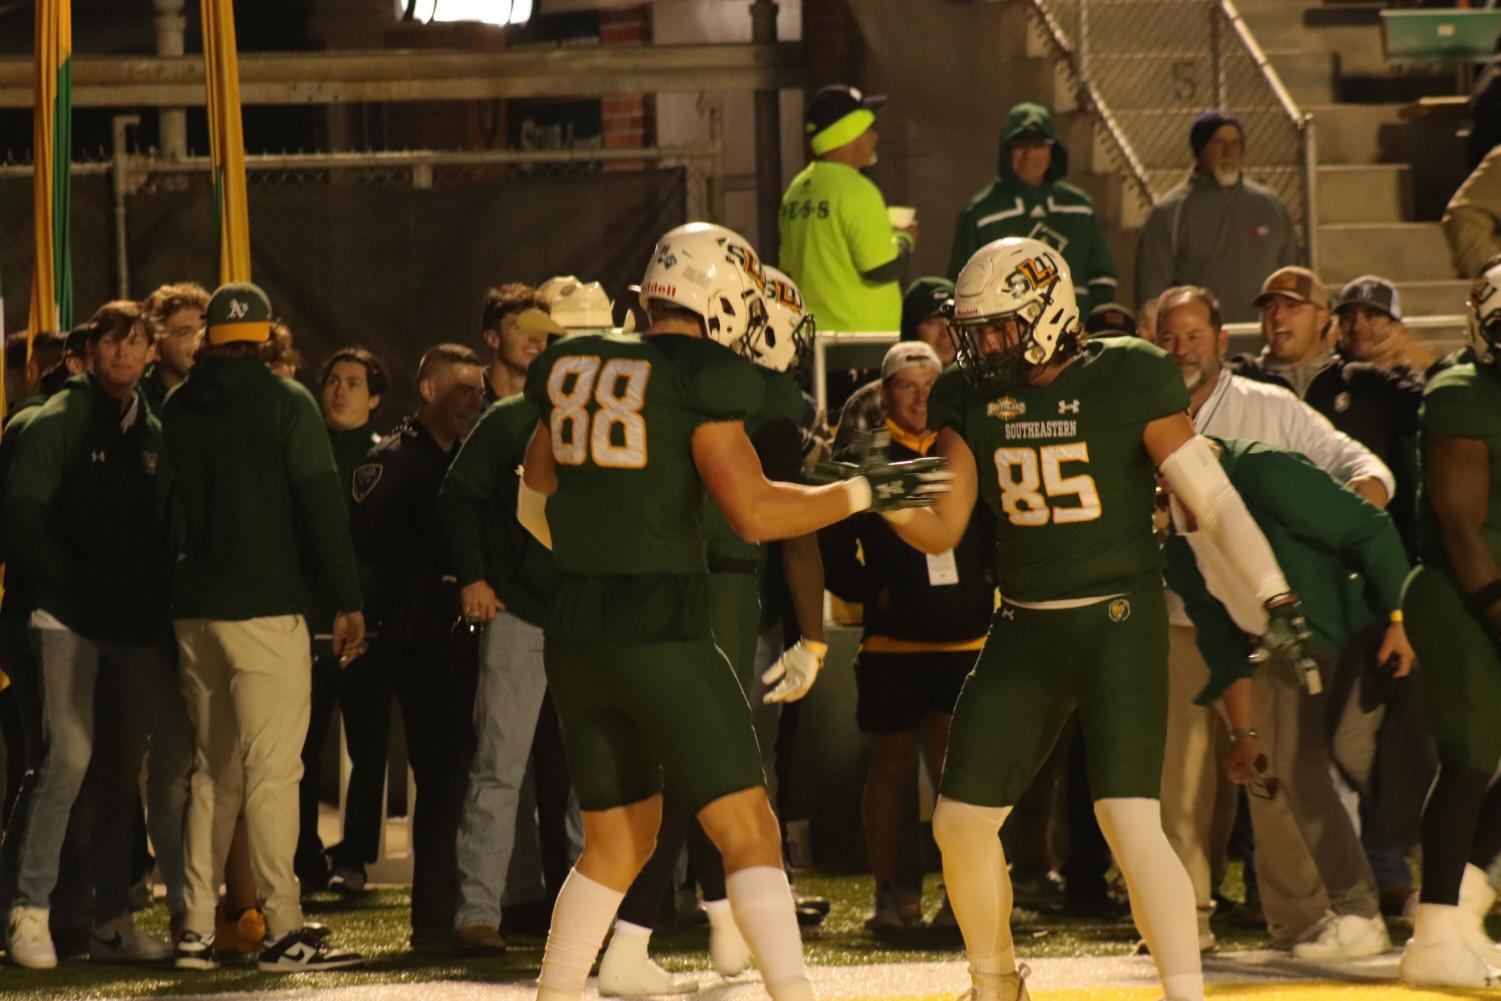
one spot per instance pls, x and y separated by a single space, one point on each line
396 269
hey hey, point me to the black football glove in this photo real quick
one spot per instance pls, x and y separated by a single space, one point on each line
894 486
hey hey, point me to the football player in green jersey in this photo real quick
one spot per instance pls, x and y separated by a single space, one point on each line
1452 604
632 431
1061 437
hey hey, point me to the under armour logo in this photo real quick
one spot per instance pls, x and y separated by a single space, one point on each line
238 309
96 456
1068 406
1007 612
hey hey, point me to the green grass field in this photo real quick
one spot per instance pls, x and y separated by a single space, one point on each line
375 923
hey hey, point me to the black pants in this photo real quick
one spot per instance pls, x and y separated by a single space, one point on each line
553 791
433 670
364 700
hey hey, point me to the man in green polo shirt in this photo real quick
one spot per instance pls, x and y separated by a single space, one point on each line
838 243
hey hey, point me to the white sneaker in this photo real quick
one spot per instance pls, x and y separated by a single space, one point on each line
627 972
888 915
998 986
1346 936
1443 962
28 942
1475 900
728 951
120 941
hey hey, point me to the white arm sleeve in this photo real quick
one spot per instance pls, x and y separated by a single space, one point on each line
1195 477
531 511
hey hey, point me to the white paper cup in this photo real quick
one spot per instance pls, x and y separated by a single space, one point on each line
901 216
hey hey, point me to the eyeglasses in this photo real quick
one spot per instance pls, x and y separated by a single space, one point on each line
1262 785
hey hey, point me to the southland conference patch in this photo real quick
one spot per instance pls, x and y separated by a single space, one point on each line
1007 408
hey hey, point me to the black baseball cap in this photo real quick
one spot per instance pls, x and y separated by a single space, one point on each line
1110 319
924 298
837 114
1373 291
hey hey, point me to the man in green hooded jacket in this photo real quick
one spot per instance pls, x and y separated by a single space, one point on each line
1030 198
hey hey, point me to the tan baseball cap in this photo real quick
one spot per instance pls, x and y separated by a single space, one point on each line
1295 283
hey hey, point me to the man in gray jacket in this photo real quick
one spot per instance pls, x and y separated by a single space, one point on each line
1217 229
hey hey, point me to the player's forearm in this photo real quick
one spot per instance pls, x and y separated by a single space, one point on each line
784 510
802 566
1473 562
1237 700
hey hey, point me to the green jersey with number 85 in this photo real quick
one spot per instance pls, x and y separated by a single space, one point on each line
622 409
1065 471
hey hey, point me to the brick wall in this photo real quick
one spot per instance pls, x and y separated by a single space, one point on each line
627 118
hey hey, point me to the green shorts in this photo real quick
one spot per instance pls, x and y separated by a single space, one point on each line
634 711
1461 671
1108 660
735 619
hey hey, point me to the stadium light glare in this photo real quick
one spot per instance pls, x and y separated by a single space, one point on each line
487 11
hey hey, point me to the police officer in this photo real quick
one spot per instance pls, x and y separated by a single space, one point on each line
430 655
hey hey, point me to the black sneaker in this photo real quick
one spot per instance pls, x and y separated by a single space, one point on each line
195 952
305 950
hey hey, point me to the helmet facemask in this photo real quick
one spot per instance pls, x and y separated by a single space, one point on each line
1485 317
1020 350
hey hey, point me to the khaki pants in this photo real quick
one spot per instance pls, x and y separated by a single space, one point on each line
1198 802
248 689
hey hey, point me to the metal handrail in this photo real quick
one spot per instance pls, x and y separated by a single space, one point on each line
1089 98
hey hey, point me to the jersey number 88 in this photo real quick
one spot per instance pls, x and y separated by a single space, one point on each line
614 436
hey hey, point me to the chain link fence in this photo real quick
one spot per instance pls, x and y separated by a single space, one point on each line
1146 68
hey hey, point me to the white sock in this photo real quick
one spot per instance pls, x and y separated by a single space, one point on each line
719 912
580 919
762 903
1162 897
1436 923
630 938
979 887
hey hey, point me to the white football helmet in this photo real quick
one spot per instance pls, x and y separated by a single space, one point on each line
714 272
1023 286
788 336
1485 312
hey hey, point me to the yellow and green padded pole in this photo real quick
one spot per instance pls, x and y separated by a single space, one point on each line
52 140
226 139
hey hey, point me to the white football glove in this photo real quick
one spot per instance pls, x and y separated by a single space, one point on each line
795 671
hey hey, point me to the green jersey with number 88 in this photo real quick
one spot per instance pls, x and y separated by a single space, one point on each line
1065 471
622 409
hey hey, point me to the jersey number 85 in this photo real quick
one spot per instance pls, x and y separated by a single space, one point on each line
614 435
1022 471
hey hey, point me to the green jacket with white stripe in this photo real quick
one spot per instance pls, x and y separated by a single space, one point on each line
1055 212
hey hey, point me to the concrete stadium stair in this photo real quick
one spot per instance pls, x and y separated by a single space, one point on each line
1379 194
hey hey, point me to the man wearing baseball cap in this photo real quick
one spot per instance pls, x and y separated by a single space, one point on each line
1369 314
257 487
925 620
837 240
923 321
1217 229
1110 319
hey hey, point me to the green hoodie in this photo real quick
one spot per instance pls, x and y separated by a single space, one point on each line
1055 212
261 502
1321 534
85 514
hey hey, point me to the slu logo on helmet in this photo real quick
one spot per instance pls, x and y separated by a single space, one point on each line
1032 273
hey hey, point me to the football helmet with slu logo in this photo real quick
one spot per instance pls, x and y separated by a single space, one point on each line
1485 313
787 338
713 272
1023 287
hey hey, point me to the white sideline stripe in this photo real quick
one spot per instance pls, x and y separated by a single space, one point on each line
899 980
